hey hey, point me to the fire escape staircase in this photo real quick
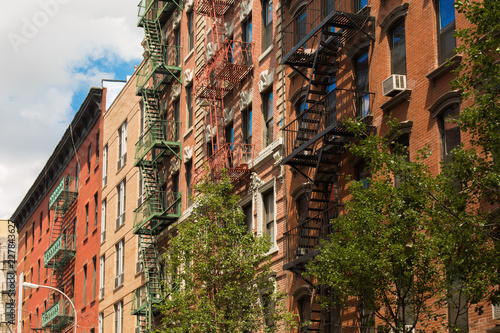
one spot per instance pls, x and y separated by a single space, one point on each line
61 251
315 140
157 145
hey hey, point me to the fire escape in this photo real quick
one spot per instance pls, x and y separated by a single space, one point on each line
159 144
61 251
228 64
315 140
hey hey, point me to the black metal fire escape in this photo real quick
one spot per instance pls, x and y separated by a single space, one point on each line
315 140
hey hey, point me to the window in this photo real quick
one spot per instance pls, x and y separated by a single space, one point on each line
138 265
190 30
77 173
189 179
41 225
362 85
189 104
176 119
246 27
97 137
360 4
89 157
458 317
267 110
300 24
141 190
175 189
302 207
267 24
398 48
95 209
363 174
94 276
248 211
84 285
122 145
177 41
402 143
87 219
446 29
102 266
105 165
450 132
119 317
247 133
39 265
100 328
120 261
103 220
268 214
121 197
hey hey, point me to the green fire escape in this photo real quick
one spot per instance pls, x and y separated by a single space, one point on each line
60 252
158 144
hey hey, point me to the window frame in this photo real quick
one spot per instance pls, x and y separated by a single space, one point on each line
119 263
398 64
268 117
102 275
122 145
121 199
267 24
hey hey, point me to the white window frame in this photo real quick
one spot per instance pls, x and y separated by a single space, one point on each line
104 204
102 275
119 317
120 263
122 145
271 184
248 200
105 165
100 325
121 198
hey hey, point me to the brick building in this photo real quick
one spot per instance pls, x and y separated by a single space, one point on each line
58 221
256 87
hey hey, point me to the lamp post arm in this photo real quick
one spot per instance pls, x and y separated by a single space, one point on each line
70 302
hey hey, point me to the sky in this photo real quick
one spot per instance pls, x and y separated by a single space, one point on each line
52 52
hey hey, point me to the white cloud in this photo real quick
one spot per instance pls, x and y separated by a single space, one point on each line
50 50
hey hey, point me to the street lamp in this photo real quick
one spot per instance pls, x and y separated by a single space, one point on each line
36 286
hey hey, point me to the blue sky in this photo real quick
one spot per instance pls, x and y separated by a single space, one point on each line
52 53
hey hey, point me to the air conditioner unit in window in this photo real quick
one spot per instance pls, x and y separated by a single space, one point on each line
138 267
495 309
408 329
394 84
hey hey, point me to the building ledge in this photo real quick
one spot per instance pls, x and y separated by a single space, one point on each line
396 100
444 68
267 152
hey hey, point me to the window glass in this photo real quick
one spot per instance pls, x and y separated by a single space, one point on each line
398 49
267 104
362 84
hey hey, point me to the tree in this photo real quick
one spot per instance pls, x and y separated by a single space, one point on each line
218 274
406 251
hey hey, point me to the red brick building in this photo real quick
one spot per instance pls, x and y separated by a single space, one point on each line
59 223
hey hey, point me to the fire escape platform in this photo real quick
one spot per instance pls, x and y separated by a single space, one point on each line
151 218
347 23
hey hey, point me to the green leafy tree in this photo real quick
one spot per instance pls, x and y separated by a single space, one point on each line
406 251
218 274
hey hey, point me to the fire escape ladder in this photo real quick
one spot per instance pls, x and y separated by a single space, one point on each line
320 318
152 32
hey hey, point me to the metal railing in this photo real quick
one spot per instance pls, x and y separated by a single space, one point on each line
308 234
60 314
63 246
230 156
327 113
310 18
64 193
149 9
165 205
154 72
163 132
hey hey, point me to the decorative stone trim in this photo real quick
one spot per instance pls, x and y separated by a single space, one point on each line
445 100
404 127
444 69
245 98
266 153
266 80
246 9
361 43
188 5
175 166
188 77
176 92
393 16
211 50
188 154
176 19
399 98
228 29
228 115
